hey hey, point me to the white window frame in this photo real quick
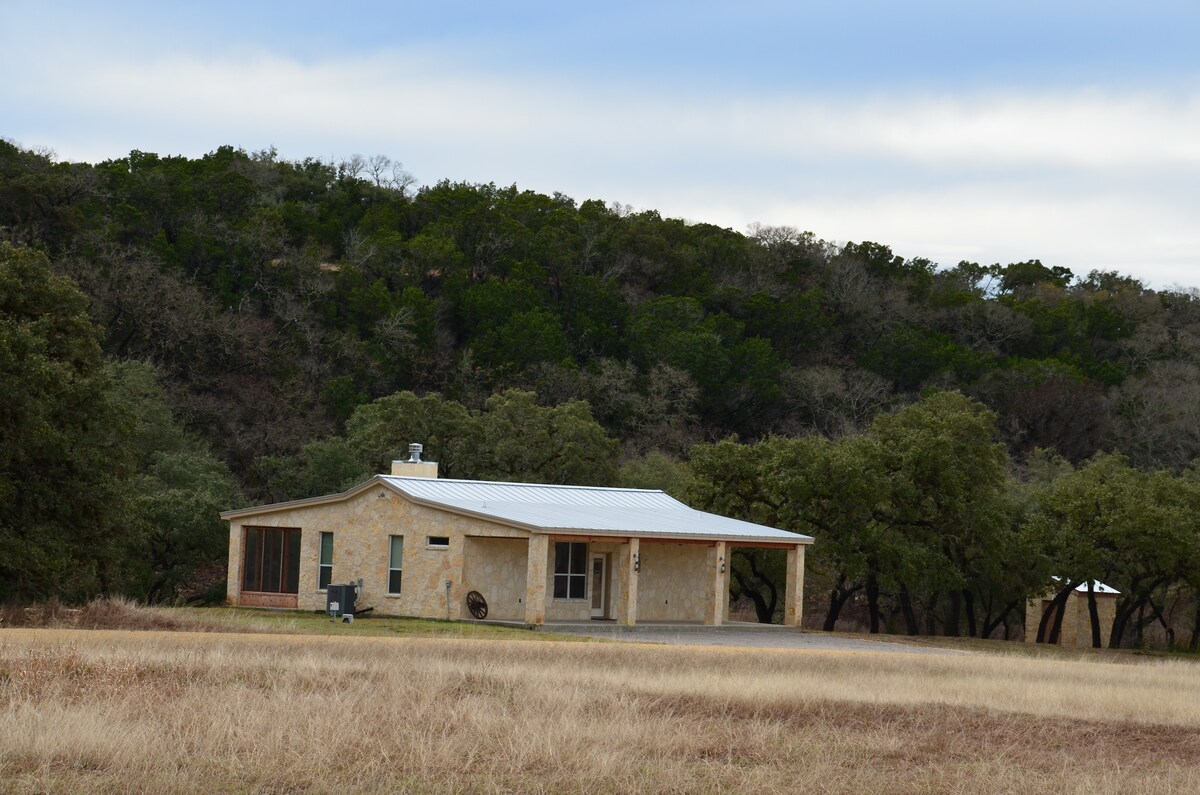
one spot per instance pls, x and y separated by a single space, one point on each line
322 566
392 567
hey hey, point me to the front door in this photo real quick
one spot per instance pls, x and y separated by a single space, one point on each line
599 586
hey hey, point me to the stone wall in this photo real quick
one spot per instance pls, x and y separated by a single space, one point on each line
361 527
676 581
496 568
1077 623
673 581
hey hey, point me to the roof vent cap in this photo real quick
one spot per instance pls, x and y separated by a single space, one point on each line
414 453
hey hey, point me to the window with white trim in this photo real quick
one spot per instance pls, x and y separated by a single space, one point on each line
395 563
570 570
325 562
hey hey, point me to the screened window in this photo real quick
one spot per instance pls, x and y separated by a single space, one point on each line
395 564
570 570
325 564
437 542
271 560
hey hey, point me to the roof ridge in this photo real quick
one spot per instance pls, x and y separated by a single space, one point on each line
525 485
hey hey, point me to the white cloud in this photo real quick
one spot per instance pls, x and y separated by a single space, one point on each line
1085 179
1153 240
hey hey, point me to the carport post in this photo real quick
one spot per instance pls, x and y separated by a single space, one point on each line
627 597
717 594
793 606
535 579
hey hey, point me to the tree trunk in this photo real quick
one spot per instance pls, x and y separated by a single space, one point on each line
931 613
910 617
762 610
1056 627
873 602
953 614
1055 609
837 599
990 625
1120 621
1194 643
969 604
764 604
1157 614
1094 614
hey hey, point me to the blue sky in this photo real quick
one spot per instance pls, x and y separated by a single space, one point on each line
992 132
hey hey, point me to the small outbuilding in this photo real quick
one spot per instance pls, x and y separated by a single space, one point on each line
440 548
1076 620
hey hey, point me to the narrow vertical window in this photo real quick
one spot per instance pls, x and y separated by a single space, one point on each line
395 564
325 563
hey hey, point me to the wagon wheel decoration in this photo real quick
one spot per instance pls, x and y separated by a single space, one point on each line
477 604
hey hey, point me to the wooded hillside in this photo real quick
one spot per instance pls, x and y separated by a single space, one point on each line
262 329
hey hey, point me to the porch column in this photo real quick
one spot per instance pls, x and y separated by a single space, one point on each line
535 579
233 581
628 582
717 595
793 592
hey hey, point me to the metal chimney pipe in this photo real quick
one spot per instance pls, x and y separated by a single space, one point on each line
414 453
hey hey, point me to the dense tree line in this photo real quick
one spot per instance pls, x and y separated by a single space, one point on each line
923 516
263 329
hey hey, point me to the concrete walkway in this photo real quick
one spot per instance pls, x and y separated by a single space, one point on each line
762 636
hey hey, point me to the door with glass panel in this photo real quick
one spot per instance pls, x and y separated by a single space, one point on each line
599 586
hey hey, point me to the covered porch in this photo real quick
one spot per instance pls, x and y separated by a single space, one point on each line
626 581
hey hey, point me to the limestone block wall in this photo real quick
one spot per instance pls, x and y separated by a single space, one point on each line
1106 607
673 581
581 609
362 526
1077 623
1080 622
496 568
1070 632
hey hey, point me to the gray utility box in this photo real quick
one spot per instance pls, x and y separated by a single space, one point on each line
339 600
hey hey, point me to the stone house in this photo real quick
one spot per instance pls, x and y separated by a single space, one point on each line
440 548
1077 621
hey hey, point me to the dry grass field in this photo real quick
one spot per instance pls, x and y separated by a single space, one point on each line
154 711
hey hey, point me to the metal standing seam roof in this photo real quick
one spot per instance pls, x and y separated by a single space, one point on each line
583 508
1097 586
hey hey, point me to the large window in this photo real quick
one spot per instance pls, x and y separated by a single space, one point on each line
271 560
570 570
395 564
325 563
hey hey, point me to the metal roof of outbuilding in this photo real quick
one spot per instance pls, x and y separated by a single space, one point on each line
584 508
1097 587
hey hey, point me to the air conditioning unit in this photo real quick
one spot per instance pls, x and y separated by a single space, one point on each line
339 602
